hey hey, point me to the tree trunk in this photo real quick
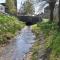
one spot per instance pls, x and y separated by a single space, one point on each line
51 6
59 14
51 15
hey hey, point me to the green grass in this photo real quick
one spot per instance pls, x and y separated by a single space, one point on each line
52 38
45 20
9 25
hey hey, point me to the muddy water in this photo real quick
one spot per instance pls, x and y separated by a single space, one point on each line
17 49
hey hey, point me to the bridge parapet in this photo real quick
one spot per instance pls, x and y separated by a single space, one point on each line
30 20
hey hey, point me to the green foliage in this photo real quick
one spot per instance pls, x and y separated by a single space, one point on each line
47 27
9 25
35 50
11 7
52 38
28 7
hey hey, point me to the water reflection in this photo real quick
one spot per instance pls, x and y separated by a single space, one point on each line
19 47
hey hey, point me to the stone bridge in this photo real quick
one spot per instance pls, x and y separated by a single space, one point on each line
30 20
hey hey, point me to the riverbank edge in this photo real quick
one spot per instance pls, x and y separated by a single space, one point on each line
38 47
2 46
9 25
51 34
28 55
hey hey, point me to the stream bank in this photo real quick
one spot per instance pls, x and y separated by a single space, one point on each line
18 48
47 45
9 25
38 50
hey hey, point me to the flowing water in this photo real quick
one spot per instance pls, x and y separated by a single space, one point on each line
17 49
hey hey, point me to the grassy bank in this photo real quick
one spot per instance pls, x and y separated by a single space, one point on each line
52 40
9 25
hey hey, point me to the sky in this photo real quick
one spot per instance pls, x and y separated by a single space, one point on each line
2 1
19 3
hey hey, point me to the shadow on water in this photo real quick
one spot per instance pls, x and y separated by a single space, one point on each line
19 47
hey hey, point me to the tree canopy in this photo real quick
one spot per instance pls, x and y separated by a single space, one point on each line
11 6
27 8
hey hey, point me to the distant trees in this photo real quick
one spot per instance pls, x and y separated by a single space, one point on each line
27 8
11 6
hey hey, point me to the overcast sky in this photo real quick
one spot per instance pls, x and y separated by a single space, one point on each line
2 1
19 3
